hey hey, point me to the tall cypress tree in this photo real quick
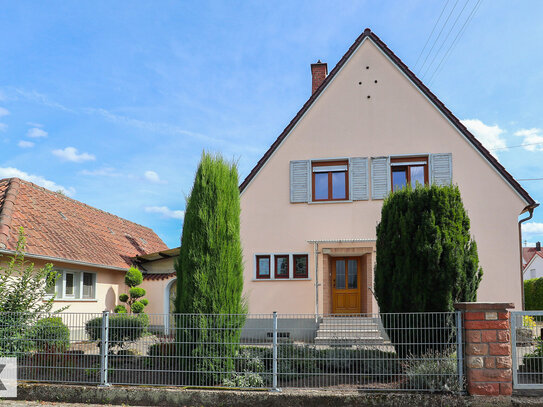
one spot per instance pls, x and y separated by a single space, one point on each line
210 271
426 258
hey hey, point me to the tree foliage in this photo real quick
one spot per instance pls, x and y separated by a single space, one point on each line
23 286
210 267
133 300
426 258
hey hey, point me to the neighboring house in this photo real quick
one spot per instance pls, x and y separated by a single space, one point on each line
91 249
533 262
159 279
311 204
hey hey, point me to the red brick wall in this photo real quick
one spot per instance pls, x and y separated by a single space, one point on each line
487 352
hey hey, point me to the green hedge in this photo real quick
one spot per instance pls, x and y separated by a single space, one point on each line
533 294
122 328
50 335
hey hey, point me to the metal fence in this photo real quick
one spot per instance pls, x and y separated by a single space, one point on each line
392 352
527 349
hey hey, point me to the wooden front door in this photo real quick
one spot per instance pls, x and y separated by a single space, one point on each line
346 279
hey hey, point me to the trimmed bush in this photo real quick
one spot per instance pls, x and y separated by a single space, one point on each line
119 309
210 272
533 294
133 277
123 328
137 307
50 335
426 259
144 301
123 297
136 292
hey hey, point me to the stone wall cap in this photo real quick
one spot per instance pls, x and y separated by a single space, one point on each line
483 306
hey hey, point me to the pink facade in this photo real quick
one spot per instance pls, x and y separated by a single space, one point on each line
368 108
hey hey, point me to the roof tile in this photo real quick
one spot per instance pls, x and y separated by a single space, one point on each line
58 226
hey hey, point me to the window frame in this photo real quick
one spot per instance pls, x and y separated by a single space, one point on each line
61 284
329 163
294 276
407 163
275 268
258 275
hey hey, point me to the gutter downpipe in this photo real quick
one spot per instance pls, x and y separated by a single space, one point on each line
316 250
520 222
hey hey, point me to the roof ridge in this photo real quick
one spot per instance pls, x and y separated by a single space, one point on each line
68 198
6 211
423 88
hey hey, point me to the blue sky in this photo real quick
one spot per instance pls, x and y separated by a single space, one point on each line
113 102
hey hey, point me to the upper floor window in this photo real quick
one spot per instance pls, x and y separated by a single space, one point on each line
409 171
330 180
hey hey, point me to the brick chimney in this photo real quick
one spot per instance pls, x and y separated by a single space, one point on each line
538 247
319 71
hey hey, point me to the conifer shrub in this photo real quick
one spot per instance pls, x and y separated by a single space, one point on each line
533 294
426 261
210 273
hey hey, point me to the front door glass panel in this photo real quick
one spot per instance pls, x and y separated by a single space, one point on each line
352 274
340 274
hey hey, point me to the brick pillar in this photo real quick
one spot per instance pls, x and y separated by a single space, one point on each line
487 349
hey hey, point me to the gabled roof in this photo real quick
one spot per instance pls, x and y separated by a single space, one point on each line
368 34
58 227
535 254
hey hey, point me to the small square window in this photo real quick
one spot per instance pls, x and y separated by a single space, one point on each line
300 265
281 266
263 266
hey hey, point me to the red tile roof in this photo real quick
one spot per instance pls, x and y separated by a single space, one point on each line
61 227
158 276
529 252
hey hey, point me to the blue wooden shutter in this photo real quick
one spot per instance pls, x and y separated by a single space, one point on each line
441 169
299 181
358 171
380 177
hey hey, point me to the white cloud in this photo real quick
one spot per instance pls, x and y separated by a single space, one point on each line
532 228
3 111
530 138
165 212
10 172
35 132
25 144
3 126
489 136
153 177
32 124
71 154
102 172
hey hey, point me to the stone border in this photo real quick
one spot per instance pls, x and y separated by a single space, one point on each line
157 396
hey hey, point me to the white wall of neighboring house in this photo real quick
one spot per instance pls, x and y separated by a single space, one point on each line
534 268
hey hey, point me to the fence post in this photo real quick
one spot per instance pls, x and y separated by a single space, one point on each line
459 349
274 383
104 349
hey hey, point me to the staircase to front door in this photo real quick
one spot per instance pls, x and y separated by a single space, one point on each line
345 330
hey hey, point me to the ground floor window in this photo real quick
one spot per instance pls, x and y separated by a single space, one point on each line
77 285
282 266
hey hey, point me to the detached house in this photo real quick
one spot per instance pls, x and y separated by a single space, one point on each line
311 204
91 249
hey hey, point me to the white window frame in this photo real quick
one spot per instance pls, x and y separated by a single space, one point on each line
290 266
72 297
